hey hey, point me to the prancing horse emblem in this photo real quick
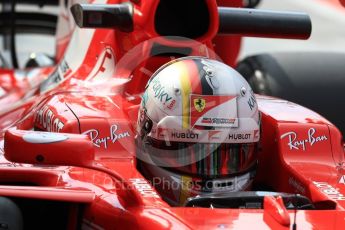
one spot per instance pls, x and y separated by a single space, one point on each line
199 104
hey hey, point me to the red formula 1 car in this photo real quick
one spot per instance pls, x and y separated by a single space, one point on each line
68 153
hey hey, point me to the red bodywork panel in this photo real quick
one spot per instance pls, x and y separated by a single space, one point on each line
300 151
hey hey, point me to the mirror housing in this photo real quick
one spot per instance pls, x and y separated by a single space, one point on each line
114 16
32 147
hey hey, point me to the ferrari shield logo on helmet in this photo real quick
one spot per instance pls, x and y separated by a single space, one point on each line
213 110
199 104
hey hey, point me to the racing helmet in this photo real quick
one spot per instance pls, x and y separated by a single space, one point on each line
197 130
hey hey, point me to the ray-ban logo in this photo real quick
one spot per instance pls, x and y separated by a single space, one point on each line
295 143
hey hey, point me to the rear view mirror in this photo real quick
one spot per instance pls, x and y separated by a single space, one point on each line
114 16
46 148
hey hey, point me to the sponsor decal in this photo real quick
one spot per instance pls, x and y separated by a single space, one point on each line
214 135
48 120
159 91
252 101
171 104
64 68
218 121
160 94
297 185
342 180
144 188
296 144
206 120
329 190
199 104
205 136
240 136
256 134
162 132
114 135
209 110
188 135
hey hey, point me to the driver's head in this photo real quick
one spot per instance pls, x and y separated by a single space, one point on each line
197 129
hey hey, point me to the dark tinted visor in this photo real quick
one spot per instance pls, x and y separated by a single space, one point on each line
207 160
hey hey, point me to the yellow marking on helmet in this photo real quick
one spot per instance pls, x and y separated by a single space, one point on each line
186 91
186 186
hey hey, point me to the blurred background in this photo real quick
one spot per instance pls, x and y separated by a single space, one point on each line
328 34
328 18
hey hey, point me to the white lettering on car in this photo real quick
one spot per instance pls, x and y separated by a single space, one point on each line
329 190
143 187
48 120
113 136
297 144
